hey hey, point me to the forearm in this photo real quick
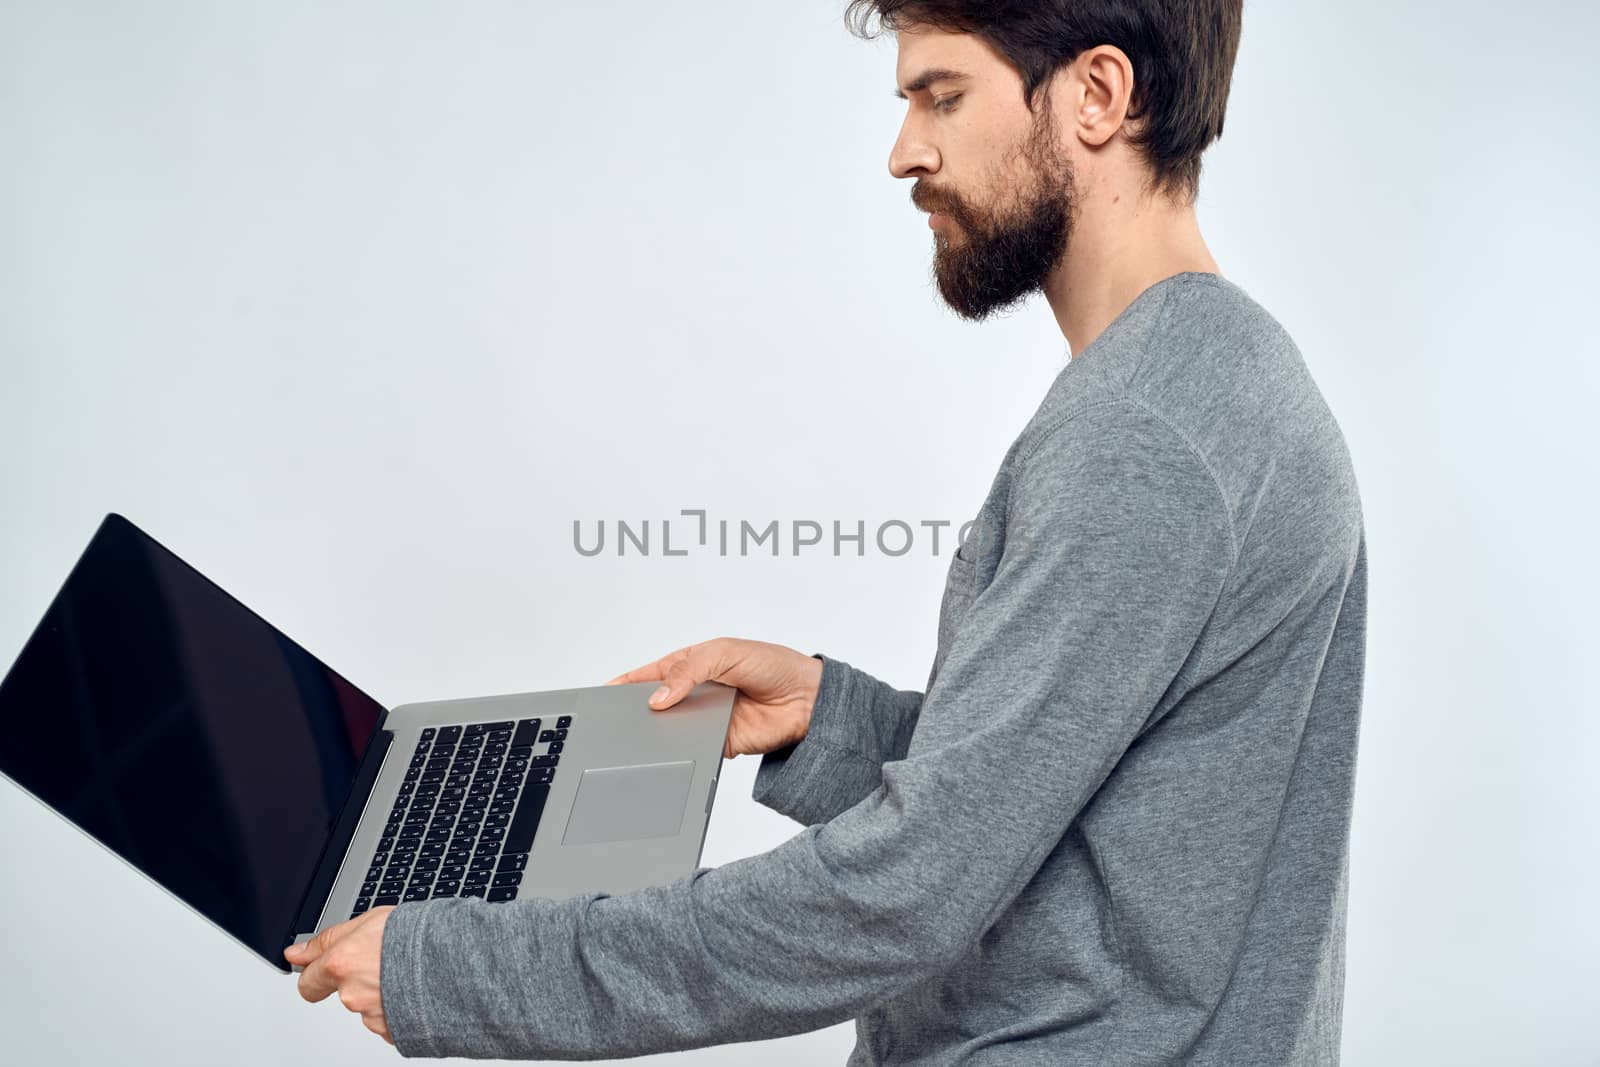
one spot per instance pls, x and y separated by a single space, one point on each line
858 723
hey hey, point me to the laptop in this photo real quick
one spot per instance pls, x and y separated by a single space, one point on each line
236 770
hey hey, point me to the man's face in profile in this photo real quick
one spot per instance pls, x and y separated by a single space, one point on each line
993 171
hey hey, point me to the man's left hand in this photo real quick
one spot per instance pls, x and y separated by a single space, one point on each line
346 958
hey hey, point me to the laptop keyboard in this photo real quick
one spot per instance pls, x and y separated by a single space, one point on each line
464 820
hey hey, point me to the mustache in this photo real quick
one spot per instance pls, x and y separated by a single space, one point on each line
930 201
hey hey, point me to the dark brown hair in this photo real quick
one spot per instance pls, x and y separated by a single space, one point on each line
1182 53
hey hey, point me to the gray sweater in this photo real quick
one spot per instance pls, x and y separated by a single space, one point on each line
1112 830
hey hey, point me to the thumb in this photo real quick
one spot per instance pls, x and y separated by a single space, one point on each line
307 951
681 677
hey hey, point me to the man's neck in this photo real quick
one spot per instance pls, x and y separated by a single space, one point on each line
1117 251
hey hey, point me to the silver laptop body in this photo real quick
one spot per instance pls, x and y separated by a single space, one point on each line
629 796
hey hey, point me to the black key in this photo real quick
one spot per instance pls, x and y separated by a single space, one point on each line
519 838
384 900
473 891
419 893
502 806
440 834
458 854
454 872
508 878
452 794
369 888
542 775
496 820
520 751
438 763
479 878
476 728
442 752
375 871
555 746
547 735
493 750
393 885
458 780
544 761
497 737
513 861
449 734
428 863
432 777
446 889
487 848
396 874
427 733
410 832
527 730
561 735
564 722
495 833
361 905
483 863
507 892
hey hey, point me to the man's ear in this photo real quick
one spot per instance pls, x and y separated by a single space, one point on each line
1100 94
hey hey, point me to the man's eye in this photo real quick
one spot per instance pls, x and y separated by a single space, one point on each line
940 105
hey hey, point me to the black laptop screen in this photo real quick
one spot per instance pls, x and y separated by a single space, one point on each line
191 737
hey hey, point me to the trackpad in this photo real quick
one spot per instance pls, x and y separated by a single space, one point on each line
629 803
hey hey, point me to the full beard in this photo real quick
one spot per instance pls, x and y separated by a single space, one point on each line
991 266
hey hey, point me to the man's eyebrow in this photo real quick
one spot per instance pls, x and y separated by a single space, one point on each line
928 77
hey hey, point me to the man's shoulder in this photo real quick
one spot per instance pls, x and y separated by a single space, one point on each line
1211 372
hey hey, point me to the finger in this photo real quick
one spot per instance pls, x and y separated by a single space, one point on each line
310 950
315 982
376 1023
650 672
698 663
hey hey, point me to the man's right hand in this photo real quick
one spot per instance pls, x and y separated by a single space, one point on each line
777 688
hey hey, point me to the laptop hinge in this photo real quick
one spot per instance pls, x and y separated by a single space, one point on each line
343 832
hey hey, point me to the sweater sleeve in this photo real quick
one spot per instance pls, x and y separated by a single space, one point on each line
1117 546
858 723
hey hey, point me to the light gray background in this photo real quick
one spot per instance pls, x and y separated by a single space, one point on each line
358 306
